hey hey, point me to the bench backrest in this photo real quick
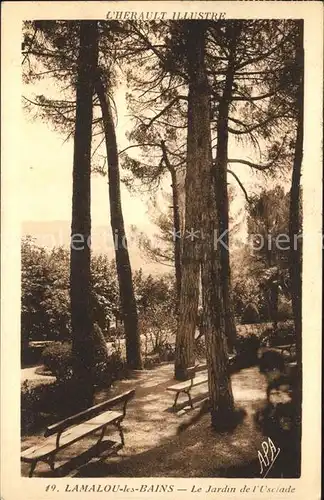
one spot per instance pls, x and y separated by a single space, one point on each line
90 412
192 370
201 367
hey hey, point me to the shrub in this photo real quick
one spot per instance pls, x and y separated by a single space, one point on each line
158 326
285 309
59 362
55 400
31 355
166 352
247 351
46 403
115 333
250 314
116 366
57 358
151 361
35 401
270 361
102 375
285 334
118 347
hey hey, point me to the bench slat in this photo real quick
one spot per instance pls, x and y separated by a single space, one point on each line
187 384
201 367
180 386
200 380
70 435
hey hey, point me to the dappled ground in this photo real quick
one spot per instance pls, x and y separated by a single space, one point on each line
152 446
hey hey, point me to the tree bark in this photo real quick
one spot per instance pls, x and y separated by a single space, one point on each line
191 254
81 317
295 268
124 271
294 216
220 390
176 224
221 188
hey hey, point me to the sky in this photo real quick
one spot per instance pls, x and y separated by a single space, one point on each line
47 185
46 191
47 174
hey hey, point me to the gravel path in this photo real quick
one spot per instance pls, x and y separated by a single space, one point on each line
31 375
154 449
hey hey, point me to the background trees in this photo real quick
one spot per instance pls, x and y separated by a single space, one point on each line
268 223
45 301
46 313
124 271
245 106
192 88
54 45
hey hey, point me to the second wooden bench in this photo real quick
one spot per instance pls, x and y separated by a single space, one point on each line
193 380
187 385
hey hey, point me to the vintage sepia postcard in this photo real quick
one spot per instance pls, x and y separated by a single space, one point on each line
161 230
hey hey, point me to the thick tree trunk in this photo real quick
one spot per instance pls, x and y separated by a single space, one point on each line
176 224
295 227
191 253
222 193
81 317
124 271
220 390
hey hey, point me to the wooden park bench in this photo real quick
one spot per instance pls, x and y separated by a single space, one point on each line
66 432
193 381
187 385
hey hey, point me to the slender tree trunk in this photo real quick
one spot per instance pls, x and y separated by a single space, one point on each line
81 317
294 217
176 224
220 390
124 271
177 240
295 226
191 254
221 190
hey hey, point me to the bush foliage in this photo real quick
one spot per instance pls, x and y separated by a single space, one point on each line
57 358
46 303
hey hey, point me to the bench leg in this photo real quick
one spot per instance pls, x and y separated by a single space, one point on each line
32 468
189 397
103 430
121 432
175 401
51 462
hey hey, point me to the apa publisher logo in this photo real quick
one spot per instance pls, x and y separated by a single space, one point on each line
267 456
